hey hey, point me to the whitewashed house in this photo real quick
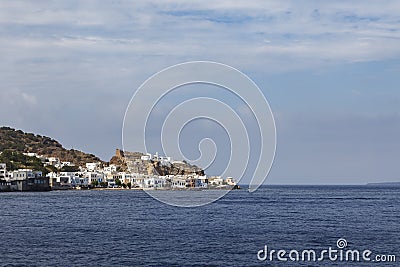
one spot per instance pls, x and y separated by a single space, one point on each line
52 161
123 177
178 182
111 168
146 157
201 181
92 166
230 181
138 180
30 154
67 163
22 174
154 182
215 181
3 171
94 176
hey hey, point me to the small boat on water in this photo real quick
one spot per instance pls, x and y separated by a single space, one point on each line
82 187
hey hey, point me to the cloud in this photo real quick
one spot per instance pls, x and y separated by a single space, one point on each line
16 98
75 64
308 34
29 99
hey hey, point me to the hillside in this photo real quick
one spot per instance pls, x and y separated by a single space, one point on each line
133 160
17 141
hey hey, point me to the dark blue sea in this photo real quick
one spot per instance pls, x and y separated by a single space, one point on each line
129 228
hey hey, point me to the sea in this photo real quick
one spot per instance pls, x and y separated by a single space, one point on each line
130 228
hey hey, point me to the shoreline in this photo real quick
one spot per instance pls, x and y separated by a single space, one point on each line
125 189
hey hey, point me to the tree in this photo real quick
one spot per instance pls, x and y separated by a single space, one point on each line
124 185
129 185
69 168
51 168
15 160
95 183
118 182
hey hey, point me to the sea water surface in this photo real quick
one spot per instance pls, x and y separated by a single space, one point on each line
129 228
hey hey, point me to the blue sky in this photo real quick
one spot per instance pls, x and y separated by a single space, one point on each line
329 70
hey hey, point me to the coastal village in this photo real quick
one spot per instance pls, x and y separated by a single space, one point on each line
125 171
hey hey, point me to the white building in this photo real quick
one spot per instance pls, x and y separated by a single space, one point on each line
53 161
201 181
3 171
53 178
30 154
81 181
73 180
230 181
67 178
154 182
22 174
94 176
67 163
124 177
138 180
215 181
165 160
156 157
70 173
92 166
111 168
178 181
146 157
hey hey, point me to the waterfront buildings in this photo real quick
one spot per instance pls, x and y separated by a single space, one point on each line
141 175
22 180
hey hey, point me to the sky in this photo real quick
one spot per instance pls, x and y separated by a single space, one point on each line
329 70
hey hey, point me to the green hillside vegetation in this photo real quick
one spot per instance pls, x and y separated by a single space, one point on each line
17 141
15 160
